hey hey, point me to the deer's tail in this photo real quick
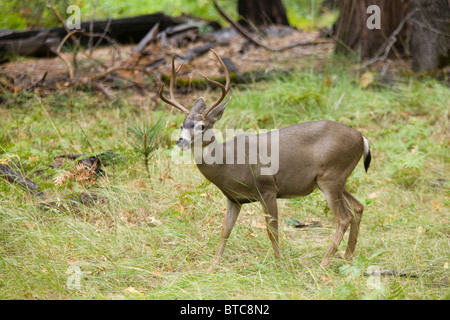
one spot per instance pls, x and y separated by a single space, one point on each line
367 156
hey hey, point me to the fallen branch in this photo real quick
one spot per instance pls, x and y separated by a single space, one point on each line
88 34
105 31
138 53
104 90
58 15
91 161
85 198
68 35
247 35
392 272
37 82
149 37
200 50
91 80
14 177
241 29
112 69
66 62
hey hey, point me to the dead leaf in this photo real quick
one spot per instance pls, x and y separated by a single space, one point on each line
436 205
134 291
62 178
258 224
373 195
366 79
327 82
325 278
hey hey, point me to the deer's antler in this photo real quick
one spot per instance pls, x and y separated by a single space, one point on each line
221 86
172 100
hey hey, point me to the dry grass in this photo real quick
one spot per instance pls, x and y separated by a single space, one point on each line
155 239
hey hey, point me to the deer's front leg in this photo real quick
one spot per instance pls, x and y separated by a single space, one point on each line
269 203
229 220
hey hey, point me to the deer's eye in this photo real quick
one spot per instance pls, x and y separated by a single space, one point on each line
200 127
181 127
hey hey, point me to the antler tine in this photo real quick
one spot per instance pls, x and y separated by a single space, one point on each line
221 86
172 101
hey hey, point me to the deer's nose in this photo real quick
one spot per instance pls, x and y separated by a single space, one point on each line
179 140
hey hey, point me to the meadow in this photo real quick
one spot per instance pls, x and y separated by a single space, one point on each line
153 234
155 237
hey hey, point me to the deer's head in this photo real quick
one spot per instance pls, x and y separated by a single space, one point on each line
201 118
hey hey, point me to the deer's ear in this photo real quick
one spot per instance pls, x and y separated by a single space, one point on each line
199 106
216 113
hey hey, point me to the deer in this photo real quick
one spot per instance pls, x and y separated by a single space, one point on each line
312 155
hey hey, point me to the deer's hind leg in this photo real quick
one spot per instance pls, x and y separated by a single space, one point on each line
334 193
354 226
269 204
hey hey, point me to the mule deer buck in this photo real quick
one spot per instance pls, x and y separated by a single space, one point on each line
319 154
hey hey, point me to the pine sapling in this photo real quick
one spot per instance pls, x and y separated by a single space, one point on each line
145 140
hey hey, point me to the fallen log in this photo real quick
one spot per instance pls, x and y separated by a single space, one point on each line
93 161
39 45
200 50
84 198
123 30
399 273
42 42
14 177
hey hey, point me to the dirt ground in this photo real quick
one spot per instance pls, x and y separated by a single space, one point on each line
230 46
145 71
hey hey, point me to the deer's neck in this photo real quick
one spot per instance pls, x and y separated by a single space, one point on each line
209 155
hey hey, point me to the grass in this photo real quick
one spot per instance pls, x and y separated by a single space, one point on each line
155 239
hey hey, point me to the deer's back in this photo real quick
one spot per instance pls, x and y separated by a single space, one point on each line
305 151
315 149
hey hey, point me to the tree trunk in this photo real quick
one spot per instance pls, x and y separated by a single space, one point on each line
430 35
262 12
352 30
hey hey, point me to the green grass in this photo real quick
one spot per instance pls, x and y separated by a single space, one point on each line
155 239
